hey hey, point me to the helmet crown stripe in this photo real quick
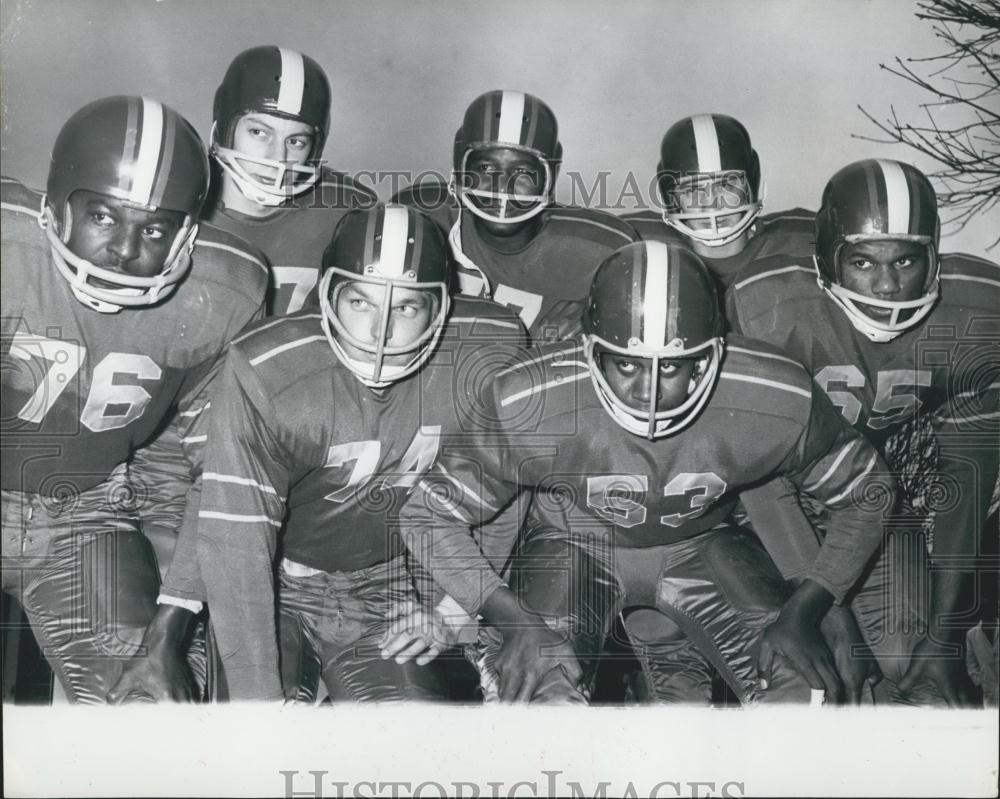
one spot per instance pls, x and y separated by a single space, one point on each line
655 295
416 253
293 81
371 225
163 174
635 301
532 112
897 197
395 230
490 124
706 141
672 327
128 148
511 117
148 158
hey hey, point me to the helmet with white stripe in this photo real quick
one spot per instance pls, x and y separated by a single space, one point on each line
513 120
653 302
283 83
877 200
709 153
139 151
389 247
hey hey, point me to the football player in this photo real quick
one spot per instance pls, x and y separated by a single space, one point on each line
509 239
271 119
636 443
897 333
107 278
711 194
320 423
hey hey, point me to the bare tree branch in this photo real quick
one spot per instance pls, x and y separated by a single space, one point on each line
965 74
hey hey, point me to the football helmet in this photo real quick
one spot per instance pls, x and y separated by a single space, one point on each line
390 247
137 150
708 149
873 200
517 121
281 82
654 301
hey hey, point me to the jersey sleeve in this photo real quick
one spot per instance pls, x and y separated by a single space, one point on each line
781 525
465 491
188 432
838 468
167 476
244 486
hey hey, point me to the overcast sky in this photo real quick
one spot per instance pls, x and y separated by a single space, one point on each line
616 74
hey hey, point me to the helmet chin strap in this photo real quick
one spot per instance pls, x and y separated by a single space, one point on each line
653 423
880 332
716 236
388 373
539 201
131 291
257 191
376 373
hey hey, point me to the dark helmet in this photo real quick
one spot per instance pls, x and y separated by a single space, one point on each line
140 151
654 301
872 200
391 247
708 147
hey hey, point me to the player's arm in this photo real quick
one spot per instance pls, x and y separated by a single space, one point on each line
160 669
244 487
227 410
967 434
837 467
793 543
186 437
423 632
467 490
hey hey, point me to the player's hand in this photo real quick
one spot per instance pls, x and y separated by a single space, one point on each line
938 664
161 675
416 632
852 656
529 653
799 641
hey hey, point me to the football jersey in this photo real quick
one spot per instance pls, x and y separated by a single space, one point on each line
764 418
546 280
950 358
294 236
82 389
947 367
296 440
789 232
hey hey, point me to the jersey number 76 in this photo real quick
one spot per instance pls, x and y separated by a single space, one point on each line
110 403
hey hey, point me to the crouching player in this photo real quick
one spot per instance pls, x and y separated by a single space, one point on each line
107 278
902 339
320 423
636 444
